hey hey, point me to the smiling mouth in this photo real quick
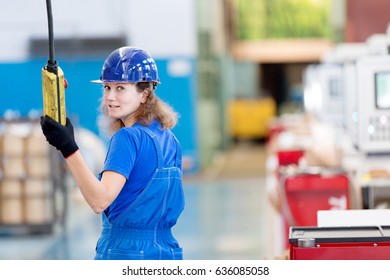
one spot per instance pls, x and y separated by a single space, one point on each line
113 106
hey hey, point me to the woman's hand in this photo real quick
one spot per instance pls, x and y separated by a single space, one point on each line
59 136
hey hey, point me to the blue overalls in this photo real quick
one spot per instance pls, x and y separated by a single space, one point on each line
143 230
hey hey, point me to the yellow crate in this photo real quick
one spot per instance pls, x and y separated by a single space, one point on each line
249 118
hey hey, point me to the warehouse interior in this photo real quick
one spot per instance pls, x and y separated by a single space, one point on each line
284 112
224 217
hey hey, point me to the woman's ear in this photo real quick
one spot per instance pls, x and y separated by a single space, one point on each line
144 97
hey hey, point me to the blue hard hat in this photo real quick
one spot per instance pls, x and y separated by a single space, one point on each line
129 65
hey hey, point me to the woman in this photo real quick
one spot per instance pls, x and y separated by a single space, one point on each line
139 191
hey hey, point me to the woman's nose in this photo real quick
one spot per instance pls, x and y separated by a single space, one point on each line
110 95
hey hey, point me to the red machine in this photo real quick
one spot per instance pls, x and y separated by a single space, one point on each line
340 243
304 193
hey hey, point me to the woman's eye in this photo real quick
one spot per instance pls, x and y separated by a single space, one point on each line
106 88
120 88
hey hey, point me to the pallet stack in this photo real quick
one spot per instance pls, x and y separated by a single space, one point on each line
27 177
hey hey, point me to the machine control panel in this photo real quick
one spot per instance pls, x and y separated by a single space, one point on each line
373 104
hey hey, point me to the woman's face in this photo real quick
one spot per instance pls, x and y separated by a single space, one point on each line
122 100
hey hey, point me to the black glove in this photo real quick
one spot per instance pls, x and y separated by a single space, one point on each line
59 136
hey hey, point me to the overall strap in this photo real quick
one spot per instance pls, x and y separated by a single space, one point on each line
178 159
160 159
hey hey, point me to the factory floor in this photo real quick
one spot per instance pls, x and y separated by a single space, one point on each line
227 216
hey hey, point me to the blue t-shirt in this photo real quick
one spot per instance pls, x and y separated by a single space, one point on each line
132 153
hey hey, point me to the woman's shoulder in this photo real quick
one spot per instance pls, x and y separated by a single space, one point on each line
130 134
154 127
123 131
139 131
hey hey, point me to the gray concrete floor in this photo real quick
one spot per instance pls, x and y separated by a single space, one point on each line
227 216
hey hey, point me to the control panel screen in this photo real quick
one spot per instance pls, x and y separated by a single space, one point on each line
382 90
334 87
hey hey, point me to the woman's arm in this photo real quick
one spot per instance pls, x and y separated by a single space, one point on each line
98 194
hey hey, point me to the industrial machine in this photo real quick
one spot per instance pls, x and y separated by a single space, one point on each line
340 243
373 104
304 193
343 235
323 92
350 91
